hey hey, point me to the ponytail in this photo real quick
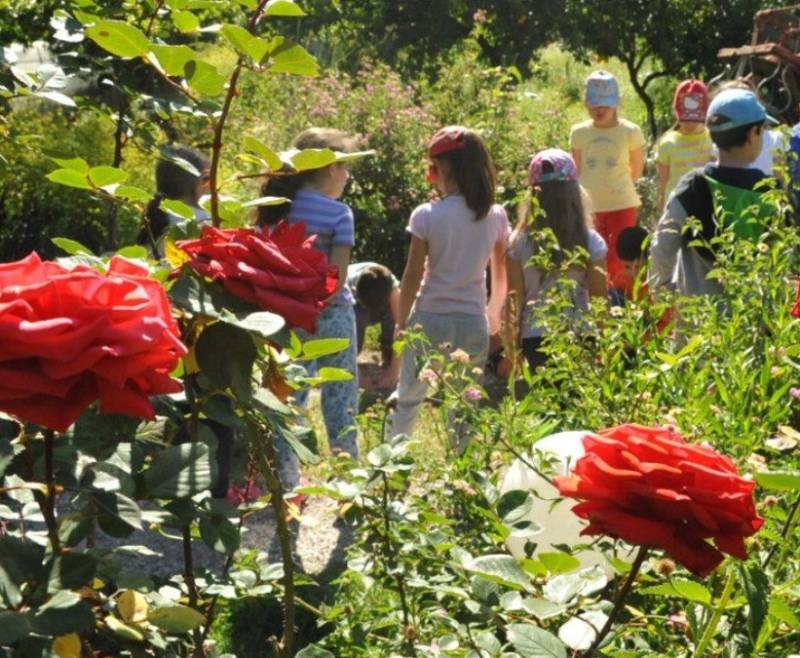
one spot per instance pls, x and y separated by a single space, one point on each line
280 185
473 171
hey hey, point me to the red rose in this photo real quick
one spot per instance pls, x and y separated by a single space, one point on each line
70 337
796 307
648 486
278 271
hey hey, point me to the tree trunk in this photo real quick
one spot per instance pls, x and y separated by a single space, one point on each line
641 92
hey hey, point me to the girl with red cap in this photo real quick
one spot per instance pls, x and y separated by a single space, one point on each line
443 289
687 145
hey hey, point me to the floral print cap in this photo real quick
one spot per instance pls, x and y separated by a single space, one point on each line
562 167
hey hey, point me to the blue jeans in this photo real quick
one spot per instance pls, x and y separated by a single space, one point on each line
339 399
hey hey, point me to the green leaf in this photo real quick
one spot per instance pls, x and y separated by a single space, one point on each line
179 471
533 642
245 42
225 354
781 610
682 589
502 569
327 374
313 349
119 38
76 164
64 613
20 563
219 534
186 21
117 514
102 176
312 651
176 619
262 323
756 588
70 571
558 562
204 78
173 59
6 454
70 178
133 251
289 57
283 8
179 208
56 97
13 627
303 452
131 193
272 159
778 481
123 630
266 201
71 247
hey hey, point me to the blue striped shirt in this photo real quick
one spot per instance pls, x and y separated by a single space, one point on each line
330 220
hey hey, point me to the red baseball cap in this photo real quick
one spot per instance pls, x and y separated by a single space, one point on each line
691 101
449 138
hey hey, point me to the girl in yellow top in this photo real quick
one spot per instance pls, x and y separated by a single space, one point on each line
687 145
609 154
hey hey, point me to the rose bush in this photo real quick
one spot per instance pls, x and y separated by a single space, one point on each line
278 271
69 337
648 486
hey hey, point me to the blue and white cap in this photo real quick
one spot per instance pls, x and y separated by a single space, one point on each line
602 88
732 108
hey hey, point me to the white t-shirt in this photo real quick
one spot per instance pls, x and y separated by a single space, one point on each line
772 144
537 283
459 247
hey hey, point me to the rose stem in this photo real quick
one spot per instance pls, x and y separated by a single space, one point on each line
620 600
49 507
711 629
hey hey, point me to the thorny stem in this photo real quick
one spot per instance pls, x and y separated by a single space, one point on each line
119 143
619 602
216 145
283 648
48 504
149 29
188 565
711 629
401 590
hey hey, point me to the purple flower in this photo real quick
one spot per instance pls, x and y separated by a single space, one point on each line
472 394
795 392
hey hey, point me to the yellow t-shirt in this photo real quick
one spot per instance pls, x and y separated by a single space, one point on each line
606 163
683 153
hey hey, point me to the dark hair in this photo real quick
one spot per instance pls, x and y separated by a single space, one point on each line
172 182
374 287
733 138
562 208
473 171
630 243
287 185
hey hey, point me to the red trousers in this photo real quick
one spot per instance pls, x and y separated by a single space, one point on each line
609 225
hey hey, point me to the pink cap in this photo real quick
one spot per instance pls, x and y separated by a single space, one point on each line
562 167
449 138
691 101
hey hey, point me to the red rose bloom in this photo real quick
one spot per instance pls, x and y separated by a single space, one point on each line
648 486
70 337
796 307
278 271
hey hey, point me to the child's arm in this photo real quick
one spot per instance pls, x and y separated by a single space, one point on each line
663 178
412 277
499 286
340 257
665 245
576 155
637 163
596 279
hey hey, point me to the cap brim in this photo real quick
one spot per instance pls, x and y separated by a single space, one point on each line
308 159
771 120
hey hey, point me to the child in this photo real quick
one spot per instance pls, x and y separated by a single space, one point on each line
736 121
688 145
632 254
553 179
314 199
609 154
443 288
177 183
377 298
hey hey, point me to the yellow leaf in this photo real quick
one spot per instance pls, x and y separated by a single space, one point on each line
174 255
190 366
98 584
67 646
132 606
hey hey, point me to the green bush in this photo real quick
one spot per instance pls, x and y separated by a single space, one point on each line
32 209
